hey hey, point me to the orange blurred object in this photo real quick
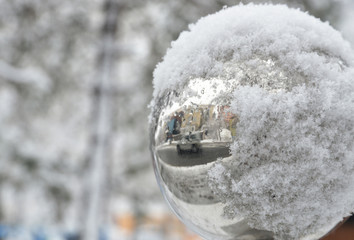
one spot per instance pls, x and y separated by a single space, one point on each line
126 222
344 232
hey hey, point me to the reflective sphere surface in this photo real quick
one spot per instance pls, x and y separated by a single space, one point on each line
194 127
252 125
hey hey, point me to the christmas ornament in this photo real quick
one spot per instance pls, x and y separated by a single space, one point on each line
252 125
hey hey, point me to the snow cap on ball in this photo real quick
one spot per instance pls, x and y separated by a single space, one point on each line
238 33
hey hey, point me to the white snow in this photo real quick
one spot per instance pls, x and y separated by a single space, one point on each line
293 168
237 33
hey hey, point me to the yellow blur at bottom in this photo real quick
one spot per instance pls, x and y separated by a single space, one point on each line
166 227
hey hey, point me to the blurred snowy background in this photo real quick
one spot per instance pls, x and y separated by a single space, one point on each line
59 60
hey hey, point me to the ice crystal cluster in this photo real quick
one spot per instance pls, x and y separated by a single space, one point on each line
292 168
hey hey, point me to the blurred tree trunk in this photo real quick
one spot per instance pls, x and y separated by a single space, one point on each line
99 155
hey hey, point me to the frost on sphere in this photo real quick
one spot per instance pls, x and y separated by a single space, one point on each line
285 80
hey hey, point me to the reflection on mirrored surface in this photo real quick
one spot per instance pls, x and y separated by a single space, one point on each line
193 128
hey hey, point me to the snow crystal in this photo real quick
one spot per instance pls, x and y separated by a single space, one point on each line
293 169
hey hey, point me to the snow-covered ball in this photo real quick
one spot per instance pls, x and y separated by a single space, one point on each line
252 125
